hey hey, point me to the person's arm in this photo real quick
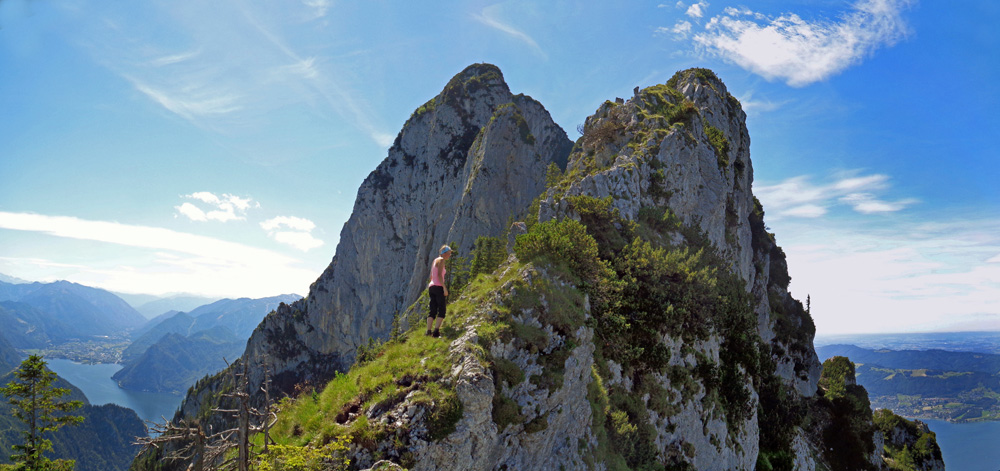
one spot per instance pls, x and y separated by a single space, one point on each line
444 280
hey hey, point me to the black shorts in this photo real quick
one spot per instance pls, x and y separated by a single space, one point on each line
437 301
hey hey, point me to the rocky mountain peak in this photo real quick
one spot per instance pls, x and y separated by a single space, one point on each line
465 163
643 321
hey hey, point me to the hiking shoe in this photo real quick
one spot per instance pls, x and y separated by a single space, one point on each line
436 334
428 333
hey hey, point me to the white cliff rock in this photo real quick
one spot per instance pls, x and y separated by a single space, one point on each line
468 163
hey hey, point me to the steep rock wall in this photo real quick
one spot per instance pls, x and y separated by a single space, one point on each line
464 165
467 163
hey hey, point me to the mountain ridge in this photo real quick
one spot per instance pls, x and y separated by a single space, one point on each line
641 318
63 310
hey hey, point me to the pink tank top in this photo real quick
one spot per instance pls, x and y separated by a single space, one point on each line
437 275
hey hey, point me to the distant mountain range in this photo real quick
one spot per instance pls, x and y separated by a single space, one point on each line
9 357
934 359
159 306
178 350
939 384
12 279
36 315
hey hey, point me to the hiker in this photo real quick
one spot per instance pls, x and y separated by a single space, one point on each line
438 291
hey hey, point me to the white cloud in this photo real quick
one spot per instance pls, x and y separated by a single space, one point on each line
697 10
906 277
384 140
490 17
290 222
174 58
751 105
192 212
805 211
205 196
225 208
859 183
303 241
305 68
181 262
866 203
799 197
298 236
681 30
191 103
802 52
319 7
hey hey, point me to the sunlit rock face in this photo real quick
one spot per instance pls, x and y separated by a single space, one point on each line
465 165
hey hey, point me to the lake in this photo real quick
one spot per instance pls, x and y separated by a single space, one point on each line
968 447
96 383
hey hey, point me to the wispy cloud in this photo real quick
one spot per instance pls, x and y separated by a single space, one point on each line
181 262
490 17
174 58
751 105
801 51
799 197
222 208
293 231
191 104
697 10
681 30
319 7
911 276
245 65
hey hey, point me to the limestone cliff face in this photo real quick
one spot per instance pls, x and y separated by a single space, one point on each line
682 146
685 146
464 165
468 163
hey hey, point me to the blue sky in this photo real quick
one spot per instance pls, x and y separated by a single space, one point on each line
217 147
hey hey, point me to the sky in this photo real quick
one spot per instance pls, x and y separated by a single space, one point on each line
216 148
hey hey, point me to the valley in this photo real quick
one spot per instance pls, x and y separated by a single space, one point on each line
127 370
929 384
92 351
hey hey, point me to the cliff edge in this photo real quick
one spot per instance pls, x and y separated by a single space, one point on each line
639 317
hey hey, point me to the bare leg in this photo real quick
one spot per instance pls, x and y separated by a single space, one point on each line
429 321
439 321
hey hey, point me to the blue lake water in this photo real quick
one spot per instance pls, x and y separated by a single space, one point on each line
968 447
96 383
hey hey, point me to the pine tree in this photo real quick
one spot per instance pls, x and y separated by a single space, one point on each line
36 403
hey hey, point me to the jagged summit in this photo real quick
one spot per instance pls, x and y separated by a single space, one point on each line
641 321
466 162
475 78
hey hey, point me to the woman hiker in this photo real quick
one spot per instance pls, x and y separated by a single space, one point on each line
438 291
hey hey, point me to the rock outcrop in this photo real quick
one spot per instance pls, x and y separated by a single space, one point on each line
465 164
907 443
656 331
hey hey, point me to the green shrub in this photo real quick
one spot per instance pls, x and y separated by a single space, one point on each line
564 243
488 254
836 373
602 222
443 418
848 437
536 425
505 411
720 143
507 371
332 457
